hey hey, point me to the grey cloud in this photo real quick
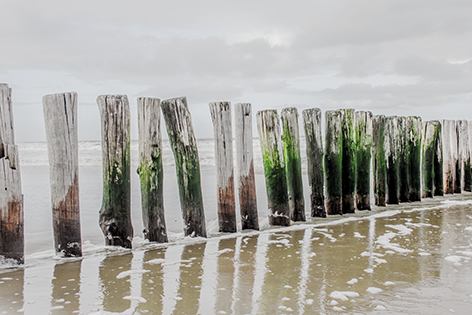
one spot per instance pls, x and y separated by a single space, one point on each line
431 69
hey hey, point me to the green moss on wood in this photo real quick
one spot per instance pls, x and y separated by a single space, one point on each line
349 157
380 163
333 162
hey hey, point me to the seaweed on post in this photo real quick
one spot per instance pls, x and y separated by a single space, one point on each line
391 150
349 156
379 160
333 161
363 130
414 131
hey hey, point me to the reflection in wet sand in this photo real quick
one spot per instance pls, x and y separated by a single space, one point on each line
417 261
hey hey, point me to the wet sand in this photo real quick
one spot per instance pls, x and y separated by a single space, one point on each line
413 258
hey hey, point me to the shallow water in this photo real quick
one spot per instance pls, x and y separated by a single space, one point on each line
413 258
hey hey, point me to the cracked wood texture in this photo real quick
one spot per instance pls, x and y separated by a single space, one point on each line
245 166
184 146
349 161
293 163
223 132
60 119
314 157
464 152
333 161
115 213
150 169
379 159
12 243
432 159
391 151
268 127
414 130
363 133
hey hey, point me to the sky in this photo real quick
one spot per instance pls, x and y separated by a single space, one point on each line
389 57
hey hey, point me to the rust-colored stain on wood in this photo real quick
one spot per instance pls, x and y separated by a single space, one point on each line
227 208
248 201
12 232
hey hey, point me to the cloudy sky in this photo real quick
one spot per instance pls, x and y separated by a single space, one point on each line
389 57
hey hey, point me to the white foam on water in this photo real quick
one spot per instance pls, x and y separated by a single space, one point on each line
129 273
373 290
352 281
343 295
135 298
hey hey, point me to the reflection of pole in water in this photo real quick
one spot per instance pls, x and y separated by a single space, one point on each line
171 274
225 275
65 286
261 270
207 293
305 265
237 275
114 286
152 288
370 246
11 292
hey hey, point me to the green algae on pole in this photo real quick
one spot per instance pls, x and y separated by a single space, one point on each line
457 159
379 159
349 156
150 169
184 146
403 151
115 213
391 151
245 166
438 161
12 236
414 129
60 119
293 164
432 179
222 127
268 128
447 131
333 161
464 152
314 154
363 130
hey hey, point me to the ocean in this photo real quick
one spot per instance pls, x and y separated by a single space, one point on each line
410 258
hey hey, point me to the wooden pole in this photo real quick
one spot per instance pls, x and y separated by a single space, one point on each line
363 130
349 162
464 152
245 166
438 160
470 146
268 128
293 163
314 154
432 181
333 161
222 127
391 150
184 146
60 119
150 169
456 158
115 213
414 129
379 159
448 129
403 151
12 244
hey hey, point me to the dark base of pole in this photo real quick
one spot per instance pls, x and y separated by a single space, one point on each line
348 204
380 202
279 216
318 209
334 206
363 202
12 234
67 243
298 213
415 196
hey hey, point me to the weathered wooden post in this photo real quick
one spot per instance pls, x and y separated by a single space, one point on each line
363 130
464 152
150 169
349 176
314 154
333 161
380 163
12 244
391 150
245 166
115 213
414 129
222 127
432 181
293 163
268 128
457 159
60 119
470 144
448 129
403 151
184 146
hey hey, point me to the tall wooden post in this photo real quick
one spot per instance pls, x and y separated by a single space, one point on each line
432 160
333 161
403 151
12 244
60 119
222 127
150 169
470 145
414 134
349 175
184 146
438 160
314 155
268 128
457 159
115 213
448 129
464 152
391 150
379 156
293 163
363 130
245 166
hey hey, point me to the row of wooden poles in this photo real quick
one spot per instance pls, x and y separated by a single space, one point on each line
410 160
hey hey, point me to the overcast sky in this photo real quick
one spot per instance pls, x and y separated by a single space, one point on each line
389 57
